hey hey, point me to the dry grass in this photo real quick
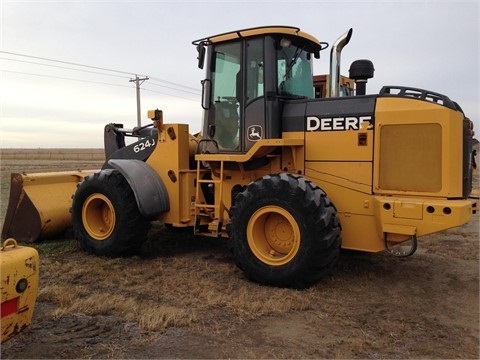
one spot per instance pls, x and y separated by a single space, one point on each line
383 303
161 292
52 154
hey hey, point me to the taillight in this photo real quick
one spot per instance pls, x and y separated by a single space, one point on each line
9 307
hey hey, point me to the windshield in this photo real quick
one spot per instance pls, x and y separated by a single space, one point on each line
294 72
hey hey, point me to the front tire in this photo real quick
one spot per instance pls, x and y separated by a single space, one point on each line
284 231
105 216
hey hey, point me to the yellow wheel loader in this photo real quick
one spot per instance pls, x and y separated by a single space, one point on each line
289 168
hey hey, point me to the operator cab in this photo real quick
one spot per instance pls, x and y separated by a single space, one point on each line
249 74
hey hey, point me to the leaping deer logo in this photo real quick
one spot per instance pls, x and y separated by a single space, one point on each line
254 132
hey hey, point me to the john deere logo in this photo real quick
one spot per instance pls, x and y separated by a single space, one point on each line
254 132
339 123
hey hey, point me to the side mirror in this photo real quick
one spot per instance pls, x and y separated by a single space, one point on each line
201 55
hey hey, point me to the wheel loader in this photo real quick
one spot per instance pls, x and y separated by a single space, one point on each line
288 168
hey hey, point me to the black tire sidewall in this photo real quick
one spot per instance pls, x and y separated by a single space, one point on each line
320 240
124 239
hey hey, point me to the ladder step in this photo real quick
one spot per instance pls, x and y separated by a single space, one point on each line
214 212
206 206
214 226
209 181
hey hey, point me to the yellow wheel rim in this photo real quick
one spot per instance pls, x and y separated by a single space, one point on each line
273 235
98 216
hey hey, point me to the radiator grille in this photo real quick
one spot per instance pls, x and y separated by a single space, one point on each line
411 157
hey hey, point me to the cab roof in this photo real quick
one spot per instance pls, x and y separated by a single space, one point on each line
313 44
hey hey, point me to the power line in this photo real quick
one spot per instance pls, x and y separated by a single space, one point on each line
64 78
171 88
67 62
155 81
188 89
174 84
95 82
63 67
168 94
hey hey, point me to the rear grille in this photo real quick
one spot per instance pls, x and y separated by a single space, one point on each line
411 157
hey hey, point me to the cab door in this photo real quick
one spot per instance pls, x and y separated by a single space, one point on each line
224 111
236 110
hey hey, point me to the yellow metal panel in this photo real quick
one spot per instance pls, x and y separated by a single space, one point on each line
365 217
408 209
349 145
261 147
351 175
359 232
262 31
353 200
19 286
170 160
399 229
418 145
436 214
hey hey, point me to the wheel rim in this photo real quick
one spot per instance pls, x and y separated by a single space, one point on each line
98 216
273 235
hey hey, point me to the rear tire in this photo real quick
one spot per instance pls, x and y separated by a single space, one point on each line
105 216
284 232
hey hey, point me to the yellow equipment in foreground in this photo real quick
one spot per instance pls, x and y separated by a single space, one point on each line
19 286
289 167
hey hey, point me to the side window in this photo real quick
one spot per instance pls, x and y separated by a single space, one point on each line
294 72
254 70
225 103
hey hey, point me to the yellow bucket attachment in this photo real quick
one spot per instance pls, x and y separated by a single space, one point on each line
39 204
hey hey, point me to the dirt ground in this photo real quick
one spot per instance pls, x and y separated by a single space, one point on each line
374 306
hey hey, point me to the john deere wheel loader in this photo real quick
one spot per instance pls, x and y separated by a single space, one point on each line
395 165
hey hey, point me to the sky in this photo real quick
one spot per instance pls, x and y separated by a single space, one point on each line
66 66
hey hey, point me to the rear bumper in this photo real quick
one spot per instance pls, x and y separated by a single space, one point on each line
413 216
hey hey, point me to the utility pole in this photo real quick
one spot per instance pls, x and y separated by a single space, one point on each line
138 81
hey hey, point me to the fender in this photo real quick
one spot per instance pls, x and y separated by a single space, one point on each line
149 189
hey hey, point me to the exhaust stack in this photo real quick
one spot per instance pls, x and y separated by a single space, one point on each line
335 55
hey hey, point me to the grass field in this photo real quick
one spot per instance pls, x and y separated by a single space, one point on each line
182 297
52 154
43 160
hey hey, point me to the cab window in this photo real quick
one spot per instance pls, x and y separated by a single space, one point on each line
294 72
225 116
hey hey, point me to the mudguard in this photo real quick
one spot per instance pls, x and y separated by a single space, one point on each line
150 192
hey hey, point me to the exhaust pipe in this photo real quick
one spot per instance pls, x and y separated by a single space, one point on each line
335 55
